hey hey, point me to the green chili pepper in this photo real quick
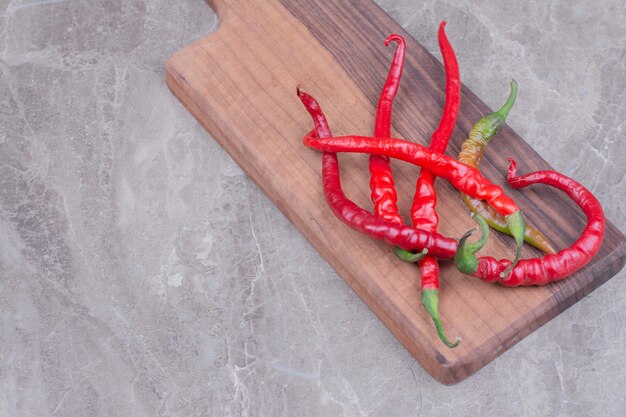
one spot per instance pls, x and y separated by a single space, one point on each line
472 154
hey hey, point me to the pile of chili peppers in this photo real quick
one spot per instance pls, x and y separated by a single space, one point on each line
420 241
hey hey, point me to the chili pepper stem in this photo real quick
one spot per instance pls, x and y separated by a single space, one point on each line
532 236
430 301
517 226
409 256
465 259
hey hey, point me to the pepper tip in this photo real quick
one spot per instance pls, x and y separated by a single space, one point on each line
512 172
430 301
508 105
395 38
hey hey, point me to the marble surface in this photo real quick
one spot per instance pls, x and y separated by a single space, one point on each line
142 273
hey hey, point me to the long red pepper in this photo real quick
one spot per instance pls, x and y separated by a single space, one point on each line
423 211
551 267
466 179
405 237
384 194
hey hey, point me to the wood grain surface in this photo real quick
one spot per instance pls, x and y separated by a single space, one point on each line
240 83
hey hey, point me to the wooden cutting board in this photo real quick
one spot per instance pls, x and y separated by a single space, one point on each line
240 83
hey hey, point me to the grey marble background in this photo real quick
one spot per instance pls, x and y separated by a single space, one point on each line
142 273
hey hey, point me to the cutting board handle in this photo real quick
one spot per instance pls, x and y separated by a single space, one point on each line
222 8
218 6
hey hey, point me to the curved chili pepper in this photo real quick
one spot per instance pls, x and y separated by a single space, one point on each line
405 237
423 211
465 178
384 194
551 267
472 154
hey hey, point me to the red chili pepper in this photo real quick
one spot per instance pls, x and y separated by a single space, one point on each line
465 178
551 267
423 211
384 194
405 237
